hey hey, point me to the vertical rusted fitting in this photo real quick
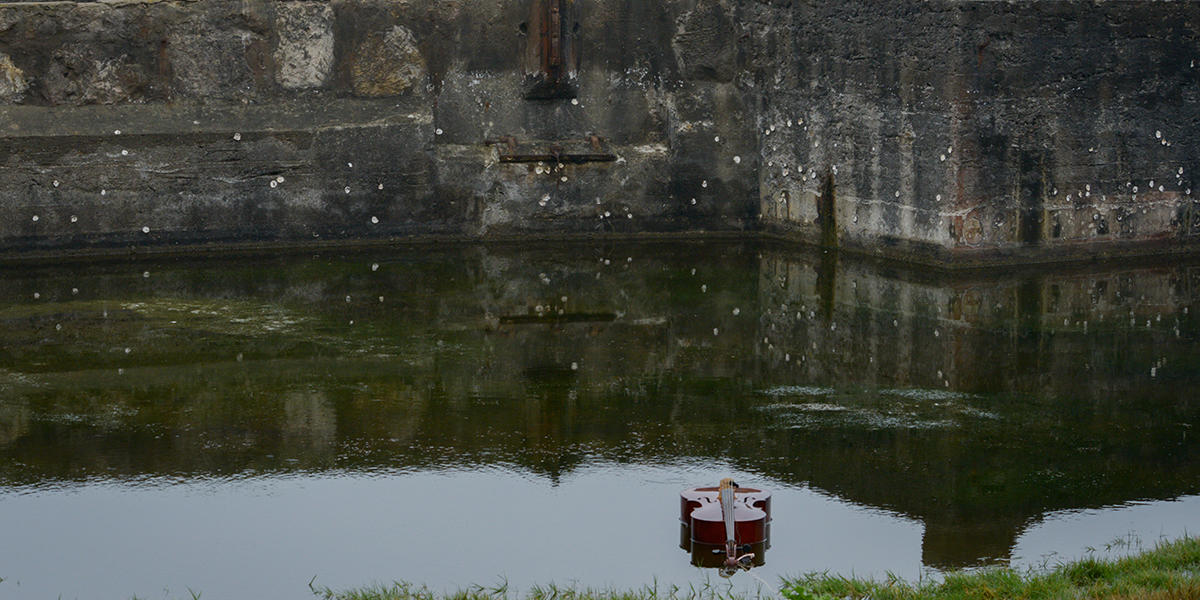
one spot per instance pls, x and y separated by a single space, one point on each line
554 37
551 59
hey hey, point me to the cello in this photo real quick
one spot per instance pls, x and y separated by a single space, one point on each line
725 526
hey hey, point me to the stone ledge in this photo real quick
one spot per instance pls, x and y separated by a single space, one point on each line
156 119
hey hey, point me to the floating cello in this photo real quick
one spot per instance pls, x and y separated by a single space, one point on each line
726 526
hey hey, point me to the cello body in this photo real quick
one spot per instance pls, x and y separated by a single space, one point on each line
702 528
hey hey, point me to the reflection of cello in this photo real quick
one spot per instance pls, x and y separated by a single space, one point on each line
727 526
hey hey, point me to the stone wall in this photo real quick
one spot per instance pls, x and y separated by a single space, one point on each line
976 131
952 132
152 123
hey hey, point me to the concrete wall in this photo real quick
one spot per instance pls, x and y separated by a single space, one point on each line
975 131
953 132
140 123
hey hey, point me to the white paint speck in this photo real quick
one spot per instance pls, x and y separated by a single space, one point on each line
439 131
237 137
737 160
74 219
145 230
374 220
35 218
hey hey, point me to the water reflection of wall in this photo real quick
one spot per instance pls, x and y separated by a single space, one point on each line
1017 395
1109 331
974 405
14 422
309 418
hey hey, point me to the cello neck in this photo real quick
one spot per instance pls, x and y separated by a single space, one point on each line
727 494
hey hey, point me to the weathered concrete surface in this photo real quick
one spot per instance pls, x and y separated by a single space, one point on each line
952 132
260 120
969 131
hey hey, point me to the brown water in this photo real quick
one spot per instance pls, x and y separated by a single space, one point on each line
473 415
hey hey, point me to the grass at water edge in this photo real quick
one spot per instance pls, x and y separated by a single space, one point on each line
1169 571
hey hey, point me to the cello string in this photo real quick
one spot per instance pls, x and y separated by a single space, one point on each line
727 499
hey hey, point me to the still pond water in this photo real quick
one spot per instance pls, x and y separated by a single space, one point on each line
529 415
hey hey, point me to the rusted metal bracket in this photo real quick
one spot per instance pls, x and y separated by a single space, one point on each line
580 151
551 59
